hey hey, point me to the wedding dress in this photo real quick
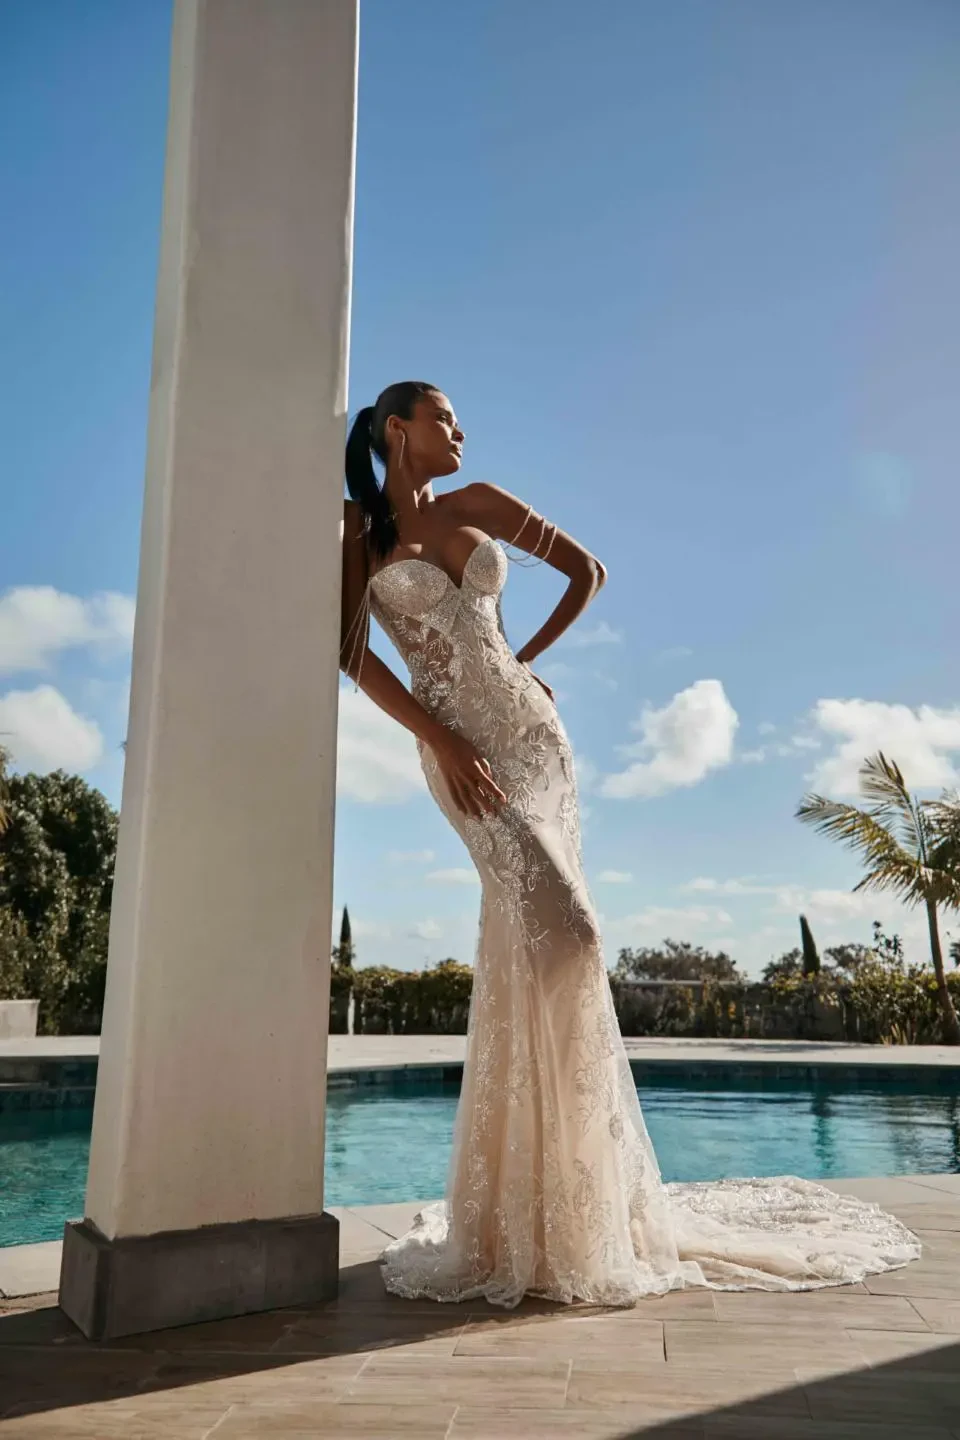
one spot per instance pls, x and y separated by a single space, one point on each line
553 1186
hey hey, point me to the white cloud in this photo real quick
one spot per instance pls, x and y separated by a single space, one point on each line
614 877
410 857
377 761
793 899
765 728
454 876
836 916
43 732
839 916
782 750
38 622
584 636
426 930
107 697
706 885
586 772
369 930
663 921
681 743
924 743
828 905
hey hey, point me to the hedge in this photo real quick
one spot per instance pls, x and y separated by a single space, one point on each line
881 1004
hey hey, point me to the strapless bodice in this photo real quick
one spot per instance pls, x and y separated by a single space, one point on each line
451 638
417 588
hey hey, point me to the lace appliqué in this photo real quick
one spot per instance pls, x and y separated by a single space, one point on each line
554 1188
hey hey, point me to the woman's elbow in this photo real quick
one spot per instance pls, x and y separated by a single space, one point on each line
588 575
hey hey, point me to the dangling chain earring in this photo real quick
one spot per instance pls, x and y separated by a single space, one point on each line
383 488
531 558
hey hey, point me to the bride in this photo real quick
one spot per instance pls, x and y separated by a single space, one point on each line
553 1189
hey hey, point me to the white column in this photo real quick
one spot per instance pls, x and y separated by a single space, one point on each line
211 1090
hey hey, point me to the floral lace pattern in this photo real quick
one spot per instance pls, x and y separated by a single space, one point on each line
553 1187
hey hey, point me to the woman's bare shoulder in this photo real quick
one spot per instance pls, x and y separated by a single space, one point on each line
470 499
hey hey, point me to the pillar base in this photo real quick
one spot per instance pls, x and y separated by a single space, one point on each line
126 1286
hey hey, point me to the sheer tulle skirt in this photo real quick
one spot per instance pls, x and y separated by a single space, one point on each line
554 1188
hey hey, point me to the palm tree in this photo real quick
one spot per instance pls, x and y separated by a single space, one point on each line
911 847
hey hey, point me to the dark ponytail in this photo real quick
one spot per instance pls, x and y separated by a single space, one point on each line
368 438
380 521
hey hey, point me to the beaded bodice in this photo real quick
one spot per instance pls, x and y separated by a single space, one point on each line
451 637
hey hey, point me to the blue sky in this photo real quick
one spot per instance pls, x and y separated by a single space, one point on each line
688 272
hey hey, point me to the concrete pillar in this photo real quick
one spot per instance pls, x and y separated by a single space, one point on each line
205 1193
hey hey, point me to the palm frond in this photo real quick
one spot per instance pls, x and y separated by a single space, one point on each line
906 882
890 865
882 783
943 821
944 818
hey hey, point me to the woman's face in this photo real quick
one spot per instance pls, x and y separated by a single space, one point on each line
434 441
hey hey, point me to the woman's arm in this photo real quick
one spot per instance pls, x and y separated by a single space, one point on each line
466 772
357 660
506 518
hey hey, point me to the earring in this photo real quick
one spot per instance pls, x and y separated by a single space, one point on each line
403 446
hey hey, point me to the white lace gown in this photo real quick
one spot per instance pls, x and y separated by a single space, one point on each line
554 1188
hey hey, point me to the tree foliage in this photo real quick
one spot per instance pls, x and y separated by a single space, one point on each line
344 953
808 946
57 853
435 1001
909 847
4 787
675 960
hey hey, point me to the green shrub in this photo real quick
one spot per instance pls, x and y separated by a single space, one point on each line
897 1005
57 853
411 1002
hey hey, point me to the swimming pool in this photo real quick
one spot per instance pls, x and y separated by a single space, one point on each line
391 1141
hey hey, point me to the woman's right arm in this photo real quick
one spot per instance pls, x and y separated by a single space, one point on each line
467 774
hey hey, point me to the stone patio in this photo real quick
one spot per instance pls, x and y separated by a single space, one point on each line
879 1361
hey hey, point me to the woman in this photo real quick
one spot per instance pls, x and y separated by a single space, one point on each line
553 1189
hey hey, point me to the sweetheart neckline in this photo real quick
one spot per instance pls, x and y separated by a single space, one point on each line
431 565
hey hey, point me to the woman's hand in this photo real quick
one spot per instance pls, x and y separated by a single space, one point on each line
468 775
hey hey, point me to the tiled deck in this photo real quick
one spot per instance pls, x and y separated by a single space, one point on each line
879 1361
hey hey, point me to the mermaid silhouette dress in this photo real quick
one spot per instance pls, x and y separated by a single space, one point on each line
553 1187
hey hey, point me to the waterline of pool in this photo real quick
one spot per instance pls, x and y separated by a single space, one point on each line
391 1142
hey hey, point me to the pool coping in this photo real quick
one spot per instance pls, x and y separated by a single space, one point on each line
34 1269
400 1052
59 1071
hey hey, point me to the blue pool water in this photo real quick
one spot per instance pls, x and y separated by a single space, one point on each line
386 1144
